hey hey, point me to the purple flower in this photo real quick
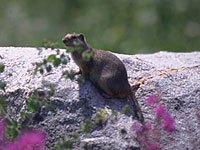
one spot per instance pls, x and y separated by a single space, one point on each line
169 123
152 99
167 120
160 111
137 127
147 126
148 134
153 146
29 140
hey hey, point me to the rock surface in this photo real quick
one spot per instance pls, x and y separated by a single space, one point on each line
174 76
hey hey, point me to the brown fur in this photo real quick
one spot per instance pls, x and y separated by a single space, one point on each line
104 69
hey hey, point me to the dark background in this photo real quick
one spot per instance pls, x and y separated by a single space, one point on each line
123 26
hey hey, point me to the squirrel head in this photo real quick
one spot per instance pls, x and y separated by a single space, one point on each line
76 41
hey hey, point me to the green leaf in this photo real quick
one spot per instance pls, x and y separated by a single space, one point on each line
65 144
57 62
69 50
51 58
3 107
69 74
33 106
75 136
2 85
126 109
101 116
2 67
86 127
64 58
68 144
33 103
12 129
23 114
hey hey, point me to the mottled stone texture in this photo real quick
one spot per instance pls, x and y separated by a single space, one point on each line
174 76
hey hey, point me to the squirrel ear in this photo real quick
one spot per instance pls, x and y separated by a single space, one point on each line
82 37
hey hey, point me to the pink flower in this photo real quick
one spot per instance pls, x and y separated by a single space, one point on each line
153 146
169 123
152 99
137 127
160 111
147 126
148 134
29 140
167 120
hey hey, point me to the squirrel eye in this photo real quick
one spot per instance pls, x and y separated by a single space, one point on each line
73 38
81 36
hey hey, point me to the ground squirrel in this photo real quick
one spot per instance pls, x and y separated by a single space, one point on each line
105 70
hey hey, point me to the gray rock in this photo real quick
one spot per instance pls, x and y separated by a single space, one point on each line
174 76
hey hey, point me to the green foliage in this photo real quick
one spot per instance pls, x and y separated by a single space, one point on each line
64 145
75 136
2 67
2 85
60 59
126 109
114 116
3 106
12 129
34 102
53 60
39 99
70 49
101 116
56 61
69 74
126 26
86 127
67 143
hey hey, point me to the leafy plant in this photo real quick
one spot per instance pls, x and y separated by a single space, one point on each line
36 101
66 143
101 116
3 106
2 85
126 109
53 60
86 127
2 67
12 129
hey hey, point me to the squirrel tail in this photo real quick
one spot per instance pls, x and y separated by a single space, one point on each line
137 108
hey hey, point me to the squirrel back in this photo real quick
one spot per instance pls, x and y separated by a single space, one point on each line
106 71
